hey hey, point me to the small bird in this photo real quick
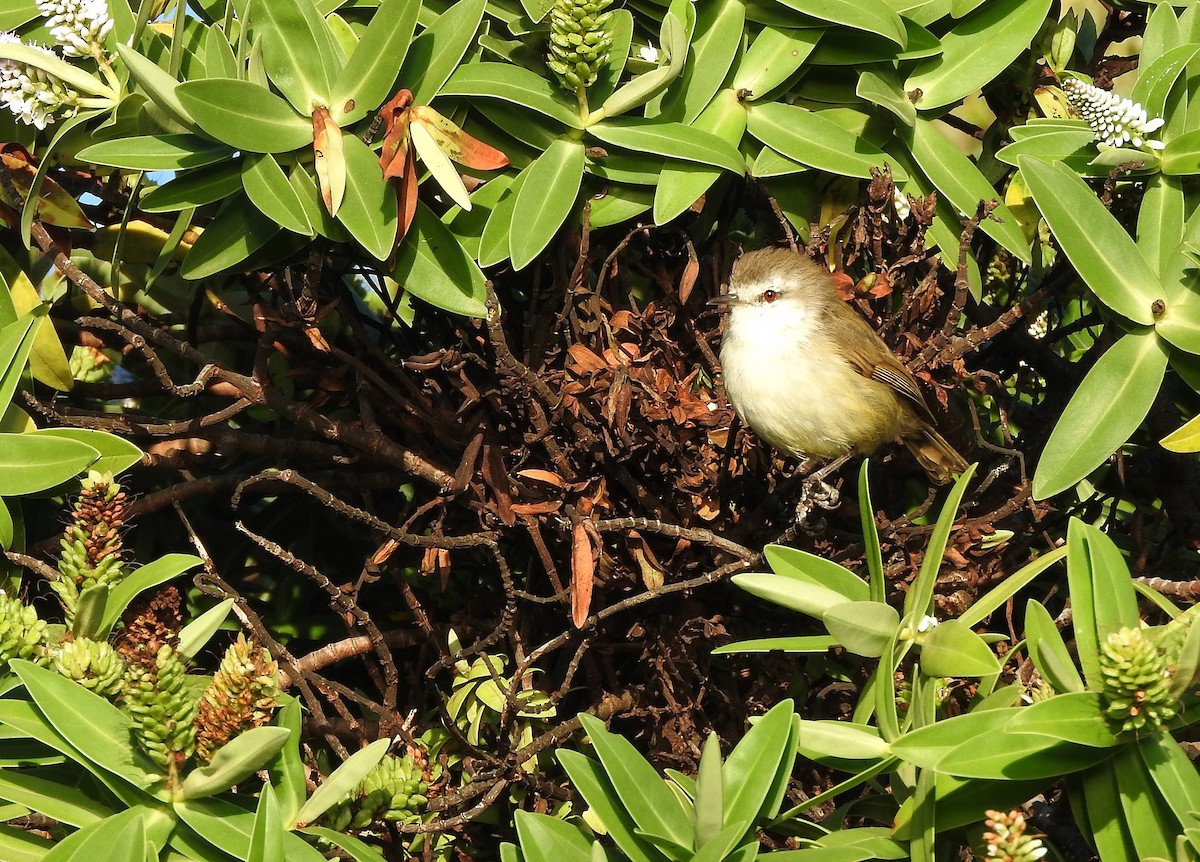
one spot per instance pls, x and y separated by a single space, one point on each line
811 377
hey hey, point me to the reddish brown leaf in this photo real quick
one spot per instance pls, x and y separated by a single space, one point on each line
407 193
497 478
582 571
544 508
844 285
457 144
688 280
395 138
542 476
54 205
384 553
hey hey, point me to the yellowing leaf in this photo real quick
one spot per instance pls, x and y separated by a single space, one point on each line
54 205
47 361
330 160
1183 439
440 166
457 144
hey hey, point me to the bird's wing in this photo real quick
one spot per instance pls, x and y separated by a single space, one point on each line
870 357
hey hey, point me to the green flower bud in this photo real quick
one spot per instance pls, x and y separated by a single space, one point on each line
22 634
94 665
579 42
1135 682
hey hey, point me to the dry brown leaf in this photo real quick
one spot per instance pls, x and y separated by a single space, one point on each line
582 571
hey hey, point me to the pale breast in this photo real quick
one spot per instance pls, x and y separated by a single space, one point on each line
796 393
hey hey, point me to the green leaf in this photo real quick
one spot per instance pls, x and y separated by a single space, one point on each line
16 342
709 815
673 38
266 844
245 116
767 749
236 231
119 838
301 57
341 781
1181 156
952 649
18 845
269 190
1077 717
681 184
840 741
436 53
719 28
547 195
50 62
512 84
673 140
359 850
199 631
807 598
158 84
155 153
812 139
644 794
593 785
961 182
493 244
804 644
1108 406
367 79
919 600
56 800
1099 248
147 577
96 728
773 57
116 454
230 828
1172 773
883 88
30 463
1151 824
1186 438
369 210
809 568
287 770
547 839
194 189
998 596
977 50
432 265
619 204
1094 559
235 761
1160 227
873 16
864 628
1155 79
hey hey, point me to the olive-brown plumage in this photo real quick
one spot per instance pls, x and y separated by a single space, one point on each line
811 377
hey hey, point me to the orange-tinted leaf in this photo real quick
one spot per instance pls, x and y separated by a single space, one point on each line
690 273
54 205
457 144
330 161
393 158
581 575
537 508
406 192
542 476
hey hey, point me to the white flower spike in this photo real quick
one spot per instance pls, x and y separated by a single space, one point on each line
37 98
79 25
1115 121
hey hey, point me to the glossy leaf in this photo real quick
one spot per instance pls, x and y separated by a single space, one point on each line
235 761
718 36
157 83
873 16
547 839
674 37
883 88
342 780
287 770
53 205
119 838
369 209
236 231
512 84
807 598
56 800
244 115
767 748
300 55
30 463
809 568
432 265
359 850
440 167
196 634
1108 406
547 195
156 153
1186 438
367 79
951 649
16 342
96 728
194 188
437 52
963 185
266 841
812 139
682 184
774 56
1077 718
642 791
1181 156
268 188
593 785
673 140
1096 244
919 600
864 628
978 49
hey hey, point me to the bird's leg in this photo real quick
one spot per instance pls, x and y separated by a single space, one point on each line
816 491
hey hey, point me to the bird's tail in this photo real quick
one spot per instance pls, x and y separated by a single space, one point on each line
939 459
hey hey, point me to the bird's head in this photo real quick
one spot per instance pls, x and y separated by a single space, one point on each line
775 287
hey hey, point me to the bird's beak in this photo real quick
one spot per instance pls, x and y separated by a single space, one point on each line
723 302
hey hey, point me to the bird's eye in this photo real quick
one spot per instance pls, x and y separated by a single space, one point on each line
770 295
